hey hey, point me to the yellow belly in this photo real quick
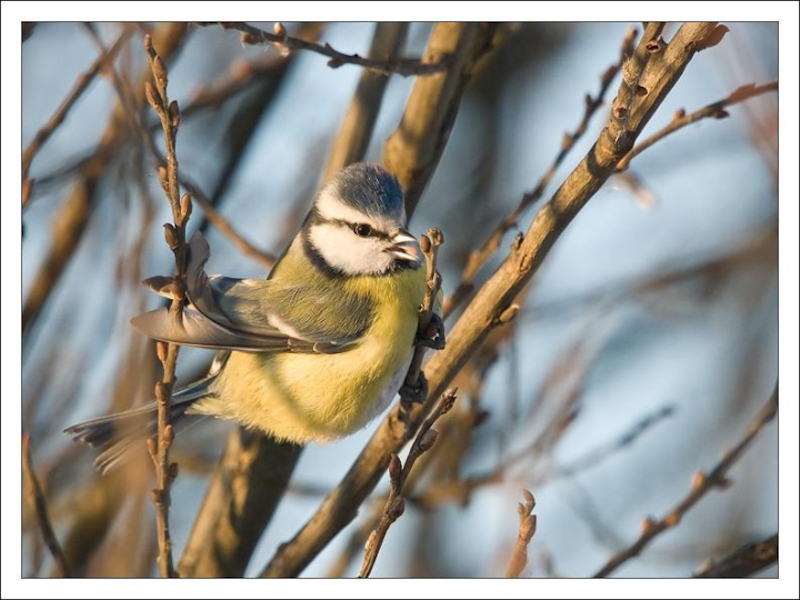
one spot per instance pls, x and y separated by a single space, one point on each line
319 397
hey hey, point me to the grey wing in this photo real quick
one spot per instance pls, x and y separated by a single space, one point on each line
209 321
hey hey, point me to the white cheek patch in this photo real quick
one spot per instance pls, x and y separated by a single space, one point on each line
343 250
331 208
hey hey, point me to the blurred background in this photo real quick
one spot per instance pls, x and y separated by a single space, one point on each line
644 347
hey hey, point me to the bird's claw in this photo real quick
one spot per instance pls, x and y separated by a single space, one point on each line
415 394
433 335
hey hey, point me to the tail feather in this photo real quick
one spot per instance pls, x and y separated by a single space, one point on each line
120 434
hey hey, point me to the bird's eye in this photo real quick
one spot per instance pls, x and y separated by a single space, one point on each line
362 229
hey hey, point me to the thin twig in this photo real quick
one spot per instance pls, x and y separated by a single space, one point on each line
527 527
479 257
33 491
458 491
701 485
398 475
81 85
224 226
281 40
597 455
715 110
744 562
430 247
169 115
214 217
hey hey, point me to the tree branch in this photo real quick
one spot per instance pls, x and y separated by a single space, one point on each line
744 562
413 150
281 40
715 110
169 115
702 484
398 475
478 258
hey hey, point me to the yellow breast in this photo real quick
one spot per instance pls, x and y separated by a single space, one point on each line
304 397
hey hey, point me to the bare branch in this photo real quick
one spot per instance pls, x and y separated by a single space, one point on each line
81 85
701 485
242 497
283 41
744 562
527 527
413 150
398 475
633 68
715 110
478 258
34 494
596 456
169 115
430 247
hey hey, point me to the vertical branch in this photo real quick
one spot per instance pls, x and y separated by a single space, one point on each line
243 494
356 129
169 115
413 150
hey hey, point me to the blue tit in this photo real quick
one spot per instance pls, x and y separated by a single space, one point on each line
315 351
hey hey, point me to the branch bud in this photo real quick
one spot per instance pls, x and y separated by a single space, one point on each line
397 509
152 97
174 114
186 207
169 435
427 441
395 470
171 235
160 70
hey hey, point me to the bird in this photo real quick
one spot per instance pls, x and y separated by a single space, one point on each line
313 352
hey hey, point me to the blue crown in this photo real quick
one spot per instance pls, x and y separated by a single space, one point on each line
370 189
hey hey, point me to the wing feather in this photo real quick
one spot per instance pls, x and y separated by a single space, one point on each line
256 325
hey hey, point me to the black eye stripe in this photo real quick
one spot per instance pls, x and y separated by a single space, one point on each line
373 233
